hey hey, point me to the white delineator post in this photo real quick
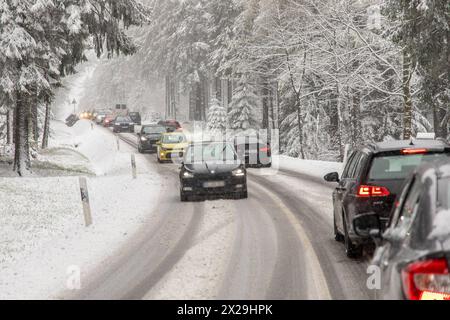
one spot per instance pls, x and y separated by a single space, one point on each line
85 201
133 166
118 143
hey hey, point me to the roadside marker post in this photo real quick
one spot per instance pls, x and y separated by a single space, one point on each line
118 143
133 166
85 200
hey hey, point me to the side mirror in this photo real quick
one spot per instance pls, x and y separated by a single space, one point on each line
332 177
368 225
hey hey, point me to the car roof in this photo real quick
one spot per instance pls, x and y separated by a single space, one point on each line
176 133
396 145
152 125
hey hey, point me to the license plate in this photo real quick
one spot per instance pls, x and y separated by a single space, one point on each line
214 184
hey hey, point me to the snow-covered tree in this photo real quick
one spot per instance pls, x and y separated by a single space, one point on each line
41 41
421 28
217 117
242 115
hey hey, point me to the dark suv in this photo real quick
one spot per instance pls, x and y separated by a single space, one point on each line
414 251
254 151
373 177
136 117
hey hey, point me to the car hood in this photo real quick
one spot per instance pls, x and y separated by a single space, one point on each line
174 145
212 167
153 136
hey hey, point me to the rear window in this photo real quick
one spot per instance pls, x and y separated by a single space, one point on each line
123 119
398 167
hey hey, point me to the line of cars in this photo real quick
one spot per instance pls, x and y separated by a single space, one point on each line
397 195
209 168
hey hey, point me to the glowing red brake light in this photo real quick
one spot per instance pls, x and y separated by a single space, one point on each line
414 151
427 280
372 191
265 149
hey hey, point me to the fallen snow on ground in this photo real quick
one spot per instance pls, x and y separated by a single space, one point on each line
198 275
42 222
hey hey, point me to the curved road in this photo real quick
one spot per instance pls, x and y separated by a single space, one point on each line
282 247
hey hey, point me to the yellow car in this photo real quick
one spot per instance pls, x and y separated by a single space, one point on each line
172 146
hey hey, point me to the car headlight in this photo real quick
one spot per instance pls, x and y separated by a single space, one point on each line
144 139
188 175
239 172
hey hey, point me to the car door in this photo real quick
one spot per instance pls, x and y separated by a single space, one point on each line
340 192
396 247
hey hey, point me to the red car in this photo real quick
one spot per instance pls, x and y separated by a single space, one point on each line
109 121
170 124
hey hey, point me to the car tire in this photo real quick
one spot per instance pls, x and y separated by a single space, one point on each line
183 197
339 237
140 149
244 195
352 251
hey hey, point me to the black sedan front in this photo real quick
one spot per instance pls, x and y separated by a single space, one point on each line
212 169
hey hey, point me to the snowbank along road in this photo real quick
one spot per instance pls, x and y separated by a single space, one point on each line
278 244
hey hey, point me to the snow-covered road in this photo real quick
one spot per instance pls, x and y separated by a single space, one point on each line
278 244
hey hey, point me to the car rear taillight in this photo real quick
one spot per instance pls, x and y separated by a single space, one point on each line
372 191
414 151
427 280
265 149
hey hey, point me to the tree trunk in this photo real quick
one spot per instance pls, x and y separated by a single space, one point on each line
46 132
22 163
407 100
300 131
8 127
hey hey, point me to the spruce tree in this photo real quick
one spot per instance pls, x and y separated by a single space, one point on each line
217 117
243 105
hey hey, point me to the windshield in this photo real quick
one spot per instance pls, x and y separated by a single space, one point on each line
153 130
174 138
398 167
210 152
123 119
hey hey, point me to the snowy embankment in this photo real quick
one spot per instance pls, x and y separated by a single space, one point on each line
42 223
312 168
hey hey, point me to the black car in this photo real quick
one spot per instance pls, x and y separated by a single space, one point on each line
123 124
149 136
212 168
373 177
136 117
414 252
254 151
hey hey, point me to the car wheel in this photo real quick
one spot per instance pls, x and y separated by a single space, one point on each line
244 195
140 149
159 160
339 237
352 251
183 197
